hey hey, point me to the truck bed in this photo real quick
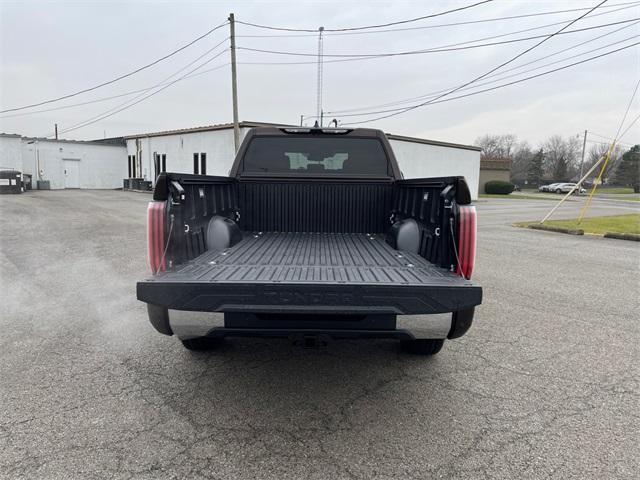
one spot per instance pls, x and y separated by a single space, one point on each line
311 273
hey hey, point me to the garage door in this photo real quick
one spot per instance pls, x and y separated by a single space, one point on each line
71 173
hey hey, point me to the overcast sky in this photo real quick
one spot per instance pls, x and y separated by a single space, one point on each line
49 49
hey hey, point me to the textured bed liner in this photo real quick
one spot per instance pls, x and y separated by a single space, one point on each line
312 257
274 271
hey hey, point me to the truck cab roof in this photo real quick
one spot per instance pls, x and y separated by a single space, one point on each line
287 152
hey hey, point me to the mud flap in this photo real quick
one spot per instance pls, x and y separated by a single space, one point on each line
159 318
461 322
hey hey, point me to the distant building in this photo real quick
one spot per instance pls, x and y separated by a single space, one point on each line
58 164
209 150
494 169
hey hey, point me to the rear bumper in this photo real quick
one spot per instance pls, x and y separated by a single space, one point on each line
187 325
285 298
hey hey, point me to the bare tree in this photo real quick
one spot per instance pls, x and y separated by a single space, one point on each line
497 146
562 157
522 156
596 152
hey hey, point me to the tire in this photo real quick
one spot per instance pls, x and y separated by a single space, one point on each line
202 344
558 191
423 346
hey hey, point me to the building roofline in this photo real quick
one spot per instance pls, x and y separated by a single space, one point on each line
78 142
250 124
206 128
438 143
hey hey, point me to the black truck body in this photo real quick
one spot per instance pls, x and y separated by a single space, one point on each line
313 233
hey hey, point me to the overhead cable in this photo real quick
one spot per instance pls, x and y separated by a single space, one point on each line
104 99
502 76
133 72
489 72
161 83
366 27
111 113
452 24
442 100
444 48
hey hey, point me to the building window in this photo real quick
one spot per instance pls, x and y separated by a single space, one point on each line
159 163
203 163
156 165
195 164
132 166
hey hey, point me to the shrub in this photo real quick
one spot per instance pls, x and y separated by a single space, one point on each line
498 187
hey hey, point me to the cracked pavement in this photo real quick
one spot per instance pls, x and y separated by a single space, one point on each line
545 384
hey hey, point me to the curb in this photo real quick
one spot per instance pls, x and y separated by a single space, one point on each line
557 229
136 191
634 237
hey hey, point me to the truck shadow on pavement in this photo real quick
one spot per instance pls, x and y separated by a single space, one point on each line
250 383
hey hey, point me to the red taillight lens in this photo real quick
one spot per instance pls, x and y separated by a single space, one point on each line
467 240
155 237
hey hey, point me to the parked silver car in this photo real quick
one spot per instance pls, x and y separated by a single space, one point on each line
548 188
566 188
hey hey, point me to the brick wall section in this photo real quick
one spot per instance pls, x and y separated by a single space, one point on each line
494 169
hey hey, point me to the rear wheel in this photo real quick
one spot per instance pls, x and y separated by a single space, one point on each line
201 344
423 346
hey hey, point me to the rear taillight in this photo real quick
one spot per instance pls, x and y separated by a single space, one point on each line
155 237
466 240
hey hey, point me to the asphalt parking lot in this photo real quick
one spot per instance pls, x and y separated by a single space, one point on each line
545 385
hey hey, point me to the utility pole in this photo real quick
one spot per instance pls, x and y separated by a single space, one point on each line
301 119
584 148
56 129
319 84
234 84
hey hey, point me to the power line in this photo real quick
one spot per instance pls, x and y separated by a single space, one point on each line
104 99
518 67
626 112
608 143
106 115
163 81
402 110
633 122
445 48
601 136
469 22
137 70
453 49
367 27
347 113
369 107
512 59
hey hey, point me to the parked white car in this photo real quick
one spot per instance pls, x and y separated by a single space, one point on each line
566 188
548 188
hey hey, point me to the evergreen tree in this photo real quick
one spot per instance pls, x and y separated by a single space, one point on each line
628 171
536 168
560 169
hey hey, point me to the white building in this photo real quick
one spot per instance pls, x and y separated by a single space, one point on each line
10 152
419 158
210 150
65 163
205 150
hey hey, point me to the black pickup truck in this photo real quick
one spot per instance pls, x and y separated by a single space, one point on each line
313 235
